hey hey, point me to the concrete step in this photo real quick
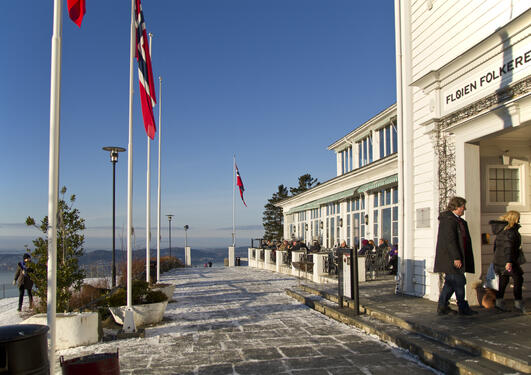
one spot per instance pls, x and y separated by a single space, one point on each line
484 349
442 357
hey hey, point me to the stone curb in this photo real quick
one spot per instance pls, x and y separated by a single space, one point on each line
471 347
438 355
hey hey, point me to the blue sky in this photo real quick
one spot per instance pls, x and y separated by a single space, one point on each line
272 81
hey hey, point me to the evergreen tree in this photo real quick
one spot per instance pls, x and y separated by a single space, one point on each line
69 250
272 219
305 182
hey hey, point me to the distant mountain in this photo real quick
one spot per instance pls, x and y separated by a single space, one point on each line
8 262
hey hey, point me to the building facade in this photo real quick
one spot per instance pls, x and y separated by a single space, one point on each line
464 110
361 202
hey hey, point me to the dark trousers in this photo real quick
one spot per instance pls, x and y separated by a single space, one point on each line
21 296
454 283
518 278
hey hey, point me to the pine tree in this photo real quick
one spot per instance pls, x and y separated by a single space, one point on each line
272 219
305 182
69 249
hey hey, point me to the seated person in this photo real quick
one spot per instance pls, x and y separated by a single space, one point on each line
284 246
295 246
343 245
393 260
365 247
316 246
382 246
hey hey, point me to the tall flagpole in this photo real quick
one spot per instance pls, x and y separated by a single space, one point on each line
129 323
158 193
148 193
233 192
53 175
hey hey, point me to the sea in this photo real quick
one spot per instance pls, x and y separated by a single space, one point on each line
6 285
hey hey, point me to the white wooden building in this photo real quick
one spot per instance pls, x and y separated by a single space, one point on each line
464 115
361 202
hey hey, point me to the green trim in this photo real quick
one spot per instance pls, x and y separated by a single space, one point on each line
378 183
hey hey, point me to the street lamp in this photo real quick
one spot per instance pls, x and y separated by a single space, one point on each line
114 158
169 222
186 236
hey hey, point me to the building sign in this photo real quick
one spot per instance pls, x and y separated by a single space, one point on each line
497 75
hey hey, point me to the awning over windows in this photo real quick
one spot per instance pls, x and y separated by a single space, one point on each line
328 199
389 180
384 181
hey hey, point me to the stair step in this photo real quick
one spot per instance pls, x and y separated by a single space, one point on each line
438 355
487 351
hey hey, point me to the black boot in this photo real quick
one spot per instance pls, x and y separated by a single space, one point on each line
445 310
464 309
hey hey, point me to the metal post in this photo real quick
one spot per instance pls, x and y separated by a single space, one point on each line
355 292
114 224
170 216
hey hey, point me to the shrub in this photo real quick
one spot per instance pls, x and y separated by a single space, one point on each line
140 293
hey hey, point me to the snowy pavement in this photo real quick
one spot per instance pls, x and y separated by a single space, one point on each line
240 321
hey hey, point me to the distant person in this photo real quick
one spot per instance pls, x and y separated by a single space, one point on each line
23 280
284 246
343 245
210 263
295 246
506 250
454 256
383 246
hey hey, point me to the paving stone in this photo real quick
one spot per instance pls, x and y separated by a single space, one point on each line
261 353
260 367
299 351
215 370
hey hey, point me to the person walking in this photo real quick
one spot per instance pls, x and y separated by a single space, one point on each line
506 250
454 256
23 280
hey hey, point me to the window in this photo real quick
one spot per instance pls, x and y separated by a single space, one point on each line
388 141
503 184
365 151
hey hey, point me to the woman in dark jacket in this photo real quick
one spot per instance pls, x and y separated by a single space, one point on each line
23 280
506 248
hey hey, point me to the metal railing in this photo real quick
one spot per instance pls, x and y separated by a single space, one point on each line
8 290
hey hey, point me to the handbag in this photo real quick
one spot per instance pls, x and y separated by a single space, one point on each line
492 280
521 257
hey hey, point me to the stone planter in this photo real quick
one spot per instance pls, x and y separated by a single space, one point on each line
72 329
167 289
149 313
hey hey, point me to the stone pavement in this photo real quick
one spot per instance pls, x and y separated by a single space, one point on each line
240 321
501 341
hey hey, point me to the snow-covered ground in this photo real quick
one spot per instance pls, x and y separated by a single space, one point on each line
240 321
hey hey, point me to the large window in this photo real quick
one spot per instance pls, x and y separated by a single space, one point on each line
357 215
385 216
388 141
346 160
503 184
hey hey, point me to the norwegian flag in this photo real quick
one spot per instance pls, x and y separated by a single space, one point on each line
239 183
145 74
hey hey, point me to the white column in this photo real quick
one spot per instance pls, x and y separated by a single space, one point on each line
468 186
339 160
232 259
188 256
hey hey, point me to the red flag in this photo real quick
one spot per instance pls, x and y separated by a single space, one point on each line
76 10
239 183
145 74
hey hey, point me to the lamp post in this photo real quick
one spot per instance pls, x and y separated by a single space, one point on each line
114 159
186 227
170 216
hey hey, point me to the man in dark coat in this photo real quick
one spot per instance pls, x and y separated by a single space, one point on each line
454 256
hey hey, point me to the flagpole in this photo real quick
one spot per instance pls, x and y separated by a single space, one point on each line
148 193
233 192
53 176
129 323
158 193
